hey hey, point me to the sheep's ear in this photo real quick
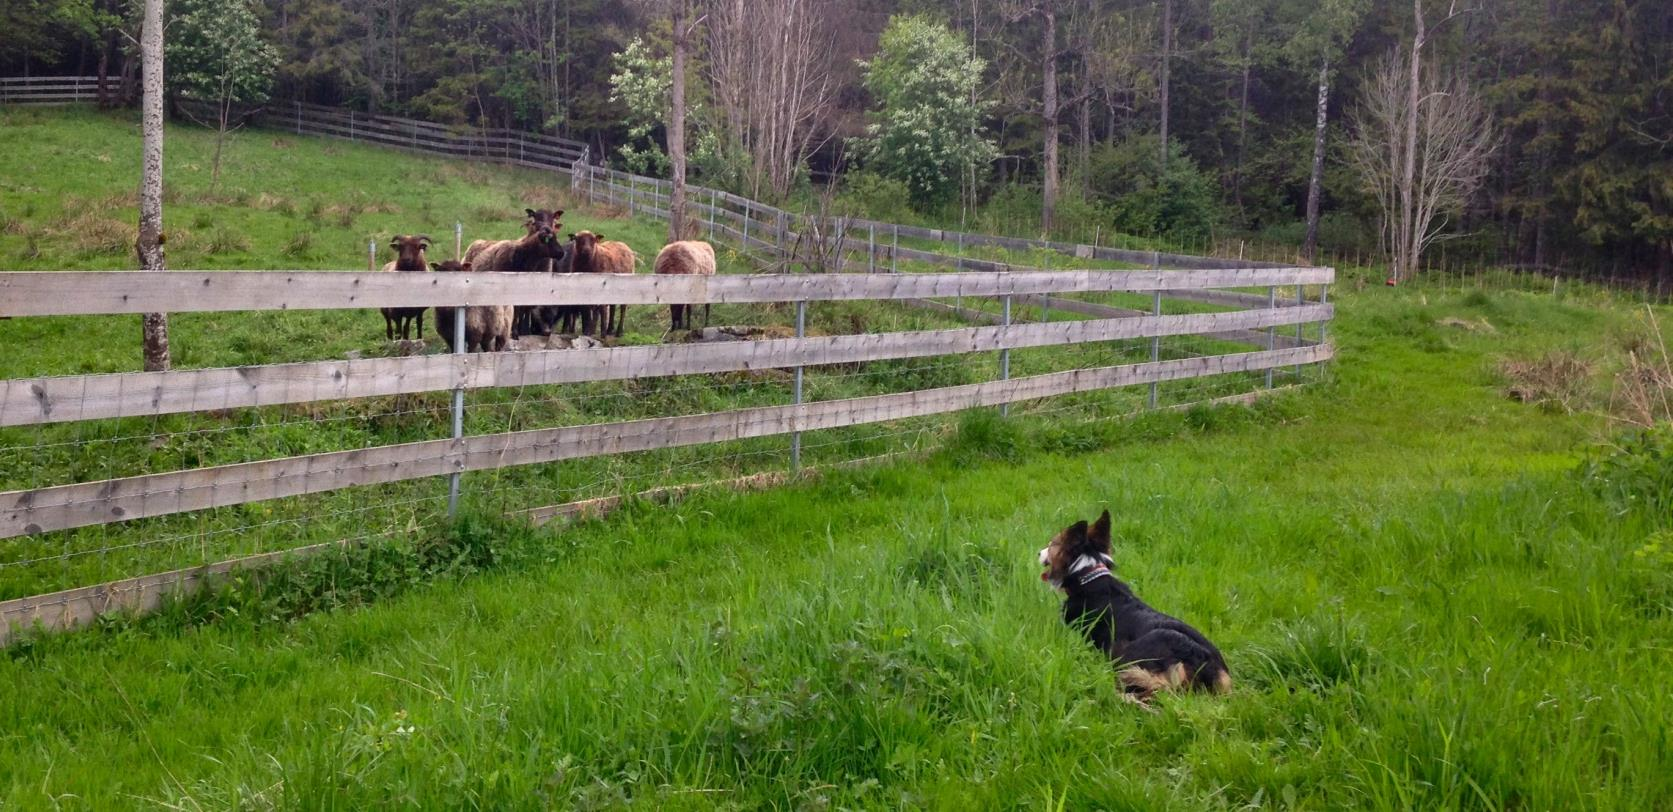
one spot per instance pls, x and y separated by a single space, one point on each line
556 213
572 235
435 266
1099 537
600 236
466 266
530 213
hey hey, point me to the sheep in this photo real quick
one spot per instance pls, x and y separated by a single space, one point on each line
591 253
409 256
487 327
686 257
535 252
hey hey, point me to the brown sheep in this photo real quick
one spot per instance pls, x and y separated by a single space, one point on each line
535 252
487 327
409 256
686 257
591 253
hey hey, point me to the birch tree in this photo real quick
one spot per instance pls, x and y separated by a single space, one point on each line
150 243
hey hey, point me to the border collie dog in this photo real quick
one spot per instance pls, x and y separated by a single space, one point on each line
1154 651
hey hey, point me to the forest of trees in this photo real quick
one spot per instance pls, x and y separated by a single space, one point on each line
1159 117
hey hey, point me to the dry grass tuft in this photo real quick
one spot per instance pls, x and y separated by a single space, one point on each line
1642 394
92 233
1480 325
1559 379
223 240
495 214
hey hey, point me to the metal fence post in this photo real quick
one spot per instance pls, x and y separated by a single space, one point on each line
1271 332
796 438
371 255
458 240
711 215
1005 356
458 413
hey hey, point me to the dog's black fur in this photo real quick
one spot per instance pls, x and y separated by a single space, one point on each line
1154 651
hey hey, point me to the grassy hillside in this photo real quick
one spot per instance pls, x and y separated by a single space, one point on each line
1427 596
287 202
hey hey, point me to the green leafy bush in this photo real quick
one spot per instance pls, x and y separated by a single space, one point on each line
1143 197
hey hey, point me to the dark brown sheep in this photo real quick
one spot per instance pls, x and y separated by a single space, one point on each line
487 327
686 257
591 253
409 256
535 252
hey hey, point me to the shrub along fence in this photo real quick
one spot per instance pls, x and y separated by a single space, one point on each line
70 516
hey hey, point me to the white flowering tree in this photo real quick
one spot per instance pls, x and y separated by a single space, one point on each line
216 54
925 127
642 83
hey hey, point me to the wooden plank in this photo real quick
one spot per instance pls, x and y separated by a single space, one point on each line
63 507
25 401
73 608
113 292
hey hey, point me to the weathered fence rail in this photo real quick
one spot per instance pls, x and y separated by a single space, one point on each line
39 512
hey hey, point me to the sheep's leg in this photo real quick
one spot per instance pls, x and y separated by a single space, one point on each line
420 325
706 307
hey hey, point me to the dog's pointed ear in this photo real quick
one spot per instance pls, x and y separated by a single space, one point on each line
1099 537
1074 537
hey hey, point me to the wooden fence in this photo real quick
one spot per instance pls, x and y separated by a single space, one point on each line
49 400
52 90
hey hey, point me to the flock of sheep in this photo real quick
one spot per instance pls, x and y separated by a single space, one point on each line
492 328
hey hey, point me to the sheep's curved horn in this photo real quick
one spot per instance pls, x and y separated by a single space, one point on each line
425 238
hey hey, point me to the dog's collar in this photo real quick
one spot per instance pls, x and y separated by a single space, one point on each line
1089 568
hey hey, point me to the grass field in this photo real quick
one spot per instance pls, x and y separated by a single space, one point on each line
1431 596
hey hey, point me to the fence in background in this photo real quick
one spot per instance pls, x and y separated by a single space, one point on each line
44 90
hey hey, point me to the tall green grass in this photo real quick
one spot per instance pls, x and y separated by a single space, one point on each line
1430 596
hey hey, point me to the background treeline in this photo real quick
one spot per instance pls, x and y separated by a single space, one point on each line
1580 94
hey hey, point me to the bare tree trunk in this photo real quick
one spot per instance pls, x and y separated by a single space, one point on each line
1167 70
224 111
150 243
676 123
1242 125
1310 245
1406 231
1083 141
1048 71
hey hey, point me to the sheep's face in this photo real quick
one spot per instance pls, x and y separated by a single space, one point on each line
409 251
585 242
543 226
